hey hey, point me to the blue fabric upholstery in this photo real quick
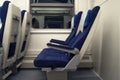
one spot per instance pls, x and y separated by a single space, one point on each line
74 30
71 37
23 46
87 20
77 19
78 41
55 58
12 49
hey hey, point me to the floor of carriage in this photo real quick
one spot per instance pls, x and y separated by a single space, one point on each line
34 74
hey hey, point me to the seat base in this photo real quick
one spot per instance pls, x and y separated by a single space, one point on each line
57 75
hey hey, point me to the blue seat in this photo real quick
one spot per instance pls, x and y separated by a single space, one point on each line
54 58
25 33
3 15
74 30
25 25
77 19
9 36
24 42
9 32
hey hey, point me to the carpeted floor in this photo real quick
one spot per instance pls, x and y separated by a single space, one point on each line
81 74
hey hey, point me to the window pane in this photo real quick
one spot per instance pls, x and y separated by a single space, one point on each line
52 13
52 17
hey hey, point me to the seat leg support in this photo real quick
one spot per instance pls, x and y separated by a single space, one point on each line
57 75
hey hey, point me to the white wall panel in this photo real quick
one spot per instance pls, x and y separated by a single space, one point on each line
96 45
22 4
39 38
119 52
1 2
81 5
109 21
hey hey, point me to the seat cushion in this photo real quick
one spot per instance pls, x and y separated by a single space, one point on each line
52 58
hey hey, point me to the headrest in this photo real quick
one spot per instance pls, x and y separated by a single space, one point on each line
80 38
77 19
81 23
22 15
94 13
87 20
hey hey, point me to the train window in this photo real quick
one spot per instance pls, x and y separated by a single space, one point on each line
51 14
54 21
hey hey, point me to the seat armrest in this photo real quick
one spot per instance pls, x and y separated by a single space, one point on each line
64 48
59 46
58 41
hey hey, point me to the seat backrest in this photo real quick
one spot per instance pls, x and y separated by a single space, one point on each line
26 24
78 41
10 32
82 26
24 27
82 41
3 14
77 19
26 32
84 21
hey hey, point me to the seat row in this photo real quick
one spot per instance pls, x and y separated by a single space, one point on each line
14 34
63 56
